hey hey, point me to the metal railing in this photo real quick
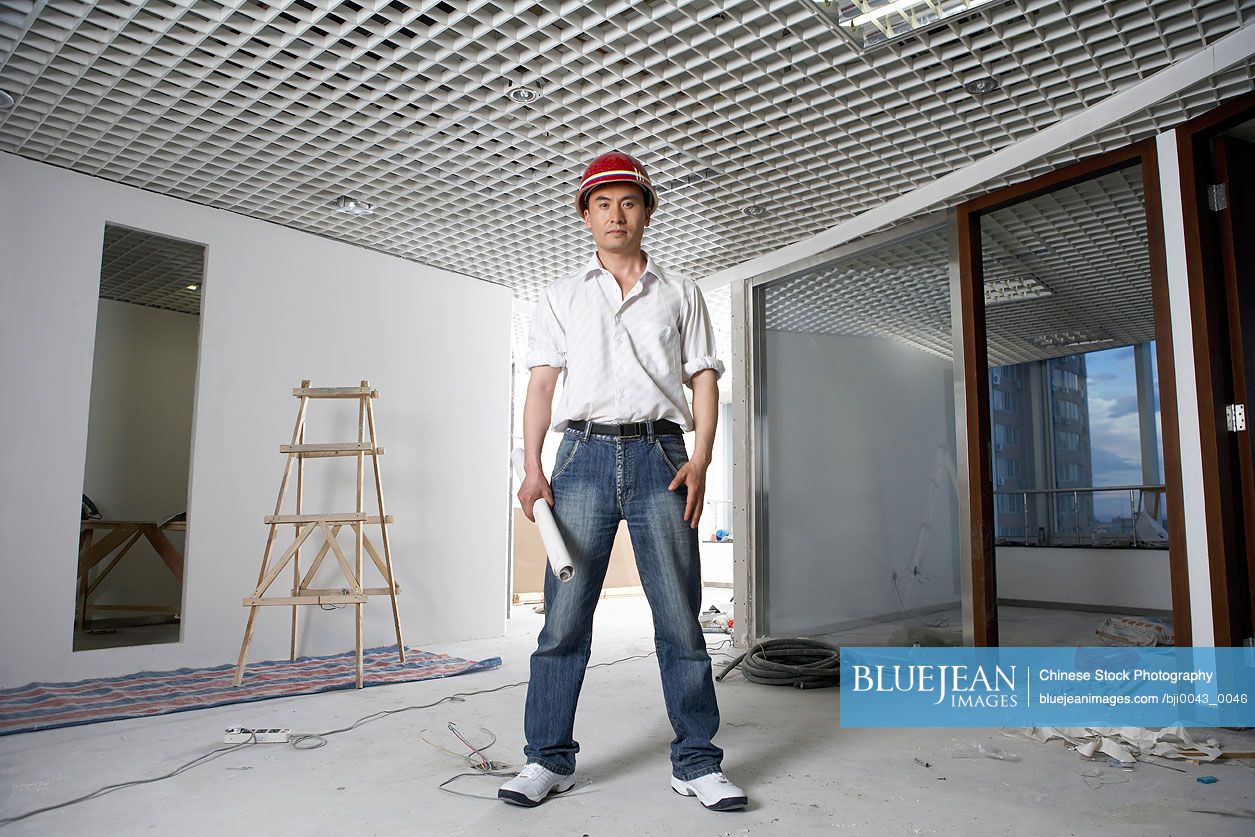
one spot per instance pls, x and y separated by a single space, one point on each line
1138 506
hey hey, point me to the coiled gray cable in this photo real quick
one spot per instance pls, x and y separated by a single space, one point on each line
804 663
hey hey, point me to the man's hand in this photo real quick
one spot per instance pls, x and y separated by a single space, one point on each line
693 475
533 488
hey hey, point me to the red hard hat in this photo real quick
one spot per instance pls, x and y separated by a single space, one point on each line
614 167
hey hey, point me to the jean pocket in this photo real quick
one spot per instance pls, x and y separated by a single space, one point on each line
672 453
566 454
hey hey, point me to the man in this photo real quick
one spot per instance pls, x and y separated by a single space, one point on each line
628 335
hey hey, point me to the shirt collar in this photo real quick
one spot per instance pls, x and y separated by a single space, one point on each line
594 267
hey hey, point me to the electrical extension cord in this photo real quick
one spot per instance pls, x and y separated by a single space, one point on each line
308 741
244 735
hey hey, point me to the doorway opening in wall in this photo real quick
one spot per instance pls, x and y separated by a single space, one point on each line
1072 464
857 538
623 608
134 524
1217 156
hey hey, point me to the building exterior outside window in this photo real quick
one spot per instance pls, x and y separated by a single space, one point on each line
1076 422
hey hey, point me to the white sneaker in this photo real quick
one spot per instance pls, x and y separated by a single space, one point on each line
712 790
533 783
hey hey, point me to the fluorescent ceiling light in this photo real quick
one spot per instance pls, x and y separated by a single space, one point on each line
868 23
1003 289
1071 339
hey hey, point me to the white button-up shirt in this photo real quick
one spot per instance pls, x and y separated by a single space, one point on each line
624 358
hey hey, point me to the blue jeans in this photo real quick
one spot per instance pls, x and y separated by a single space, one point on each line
598 481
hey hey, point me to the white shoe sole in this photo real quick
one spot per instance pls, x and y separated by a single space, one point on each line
518 798
728 803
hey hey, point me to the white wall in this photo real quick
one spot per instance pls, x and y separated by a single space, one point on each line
139 437
854 426
1120 578
279 306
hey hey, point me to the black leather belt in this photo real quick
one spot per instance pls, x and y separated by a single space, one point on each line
635 428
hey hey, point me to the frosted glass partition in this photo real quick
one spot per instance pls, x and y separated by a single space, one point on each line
859 503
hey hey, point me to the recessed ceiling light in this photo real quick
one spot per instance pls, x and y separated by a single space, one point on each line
193 287
353 206
523 95
6 101
754 210
981 86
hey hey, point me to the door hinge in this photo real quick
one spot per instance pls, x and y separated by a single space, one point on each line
1235 417
1217 197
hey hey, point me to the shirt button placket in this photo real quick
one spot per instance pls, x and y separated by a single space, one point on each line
618 360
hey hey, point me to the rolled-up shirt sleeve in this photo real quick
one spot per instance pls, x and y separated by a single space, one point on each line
697 336
546 343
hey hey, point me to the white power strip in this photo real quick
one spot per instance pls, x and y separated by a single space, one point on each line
243 735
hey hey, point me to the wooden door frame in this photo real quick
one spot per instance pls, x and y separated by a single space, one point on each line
975 359
1193 155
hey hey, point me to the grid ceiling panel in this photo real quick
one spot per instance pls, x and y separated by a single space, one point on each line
1086 244
274 110
147 269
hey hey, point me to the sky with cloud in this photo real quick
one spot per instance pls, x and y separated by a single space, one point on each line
1115 438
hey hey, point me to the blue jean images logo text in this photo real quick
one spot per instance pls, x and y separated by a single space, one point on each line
1011 687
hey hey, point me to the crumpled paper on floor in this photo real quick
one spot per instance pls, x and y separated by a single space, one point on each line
1125 743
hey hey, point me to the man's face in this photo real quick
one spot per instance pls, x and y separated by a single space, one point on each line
617 217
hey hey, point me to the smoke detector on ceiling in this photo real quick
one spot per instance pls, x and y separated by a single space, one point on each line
981 86
523 95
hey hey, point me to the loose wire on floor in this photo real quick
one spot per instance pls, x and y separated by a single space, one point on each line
196 762
301 741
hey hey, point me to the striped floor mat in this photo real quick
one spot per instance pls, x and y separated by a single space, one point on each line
37 706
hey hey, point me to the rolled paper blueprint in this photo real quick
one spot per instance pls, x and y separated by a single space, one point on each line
555 547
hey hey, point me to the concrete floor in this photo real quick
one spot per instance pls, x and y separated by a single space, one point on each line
804 774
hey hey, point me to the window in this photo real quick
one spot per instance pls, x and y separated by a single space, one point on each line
1005 374
1006 434
1064 379
1070 473
1095 423
1068 411
1066 440
1008 402
1009 503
